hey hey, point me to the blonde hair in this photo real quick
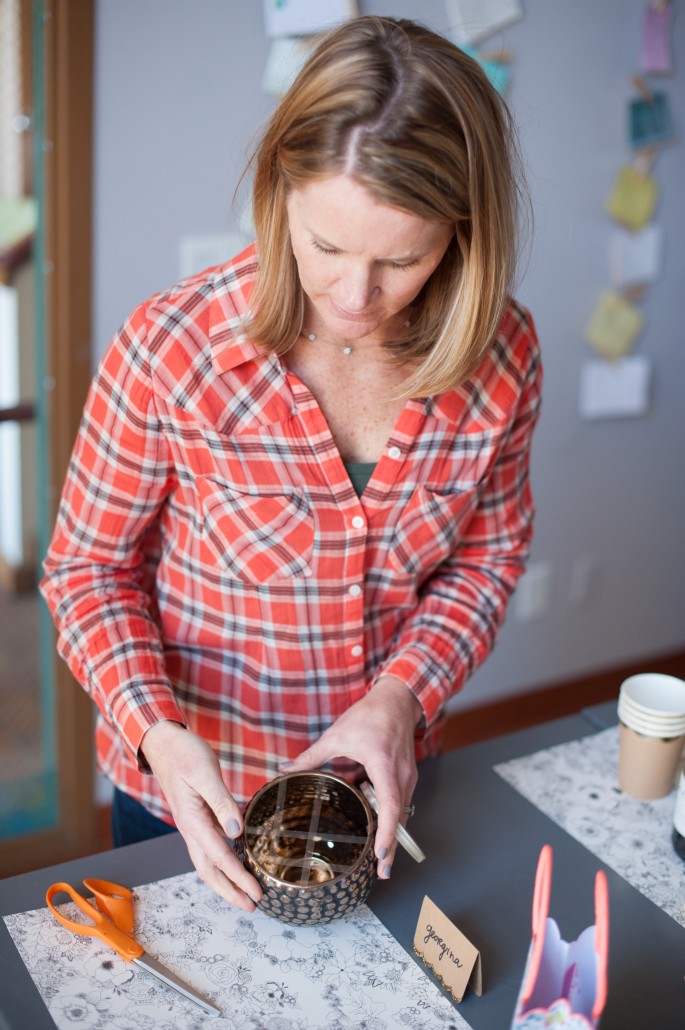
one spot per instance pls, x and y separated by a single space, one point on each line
415 121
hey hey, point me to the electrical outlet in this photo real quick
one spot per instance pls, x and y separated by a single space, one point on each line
534 592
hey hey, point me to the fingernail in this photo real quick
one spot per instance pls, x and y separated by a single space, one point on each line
233 828
386 871
256 900
382 853
285 765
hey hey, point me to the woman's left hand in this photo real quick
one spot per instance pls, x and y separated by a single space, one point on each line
377 732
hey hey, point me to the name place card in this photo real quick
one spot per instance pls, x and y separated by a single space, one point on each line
447 952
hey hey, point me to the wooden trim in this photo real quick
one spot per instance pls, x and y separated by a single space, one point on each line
471 725
26 44
19 413
11 258
48 846
68 44
69 240
70 32
17 579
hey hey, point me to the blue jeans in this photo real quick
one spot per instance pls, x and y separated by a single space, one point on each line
131 821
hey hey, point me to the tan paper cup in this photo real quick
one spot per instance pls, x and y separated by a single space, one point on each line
647 766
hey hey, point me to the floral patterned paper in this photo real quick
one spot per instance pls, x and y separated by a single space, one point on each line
576 785
347 975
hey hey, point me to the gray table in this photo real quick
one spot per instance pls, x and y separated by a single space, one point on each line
603 715
483 840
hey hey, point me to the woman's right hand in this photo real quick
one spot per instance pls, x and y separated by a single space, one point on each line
203 809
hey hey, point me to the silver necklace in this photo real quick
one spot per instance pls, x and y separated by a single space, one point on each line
345 348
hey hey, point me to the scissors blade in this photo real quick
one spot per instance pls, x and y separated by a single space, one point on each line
155 968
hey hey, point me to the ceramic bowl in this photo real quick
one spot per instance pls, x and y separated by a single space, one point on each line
308 839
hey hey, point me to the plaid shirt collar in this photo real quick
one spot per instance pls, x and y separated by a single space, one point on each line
228 306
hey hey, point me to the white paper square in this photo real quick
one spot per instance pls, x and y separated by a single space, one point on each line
635 257
615 389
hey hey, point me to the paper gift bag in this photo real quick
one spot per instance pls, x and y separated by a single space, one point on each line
564 985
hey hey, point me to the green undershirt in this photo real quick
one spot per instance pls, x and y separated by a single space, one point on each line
360 473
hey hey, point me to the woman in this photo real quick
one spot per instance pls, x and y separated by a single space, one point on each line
299 498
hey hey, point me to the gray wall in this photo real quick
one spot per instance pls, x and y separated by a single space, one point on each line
177 98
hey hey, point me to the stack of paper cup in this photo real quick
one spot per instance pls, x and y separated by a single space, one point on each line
651 710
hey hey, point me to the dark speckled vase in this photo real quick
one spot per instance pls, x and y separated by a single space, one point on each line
308 839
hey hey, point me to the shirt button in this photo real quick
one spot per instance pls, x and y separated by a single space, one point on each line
358 522
357 650
395 453
355 590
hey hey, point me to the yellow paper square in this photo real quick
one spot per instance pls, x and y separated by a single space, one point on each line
614 326
633 198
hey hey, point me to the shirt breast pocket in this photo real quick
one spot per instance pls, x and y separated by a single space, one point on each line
257 537
429 528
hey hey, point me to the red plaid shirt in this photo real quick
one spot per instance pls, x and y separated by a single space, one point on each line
212 564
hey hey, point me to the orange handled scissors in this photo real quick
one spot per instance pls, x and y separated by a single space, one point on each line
112 923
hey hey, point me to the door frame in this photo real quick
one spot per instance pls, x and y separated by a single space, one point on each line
64 30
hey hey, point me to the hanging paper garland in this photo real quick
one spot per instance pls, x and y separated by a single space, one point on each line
635 246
